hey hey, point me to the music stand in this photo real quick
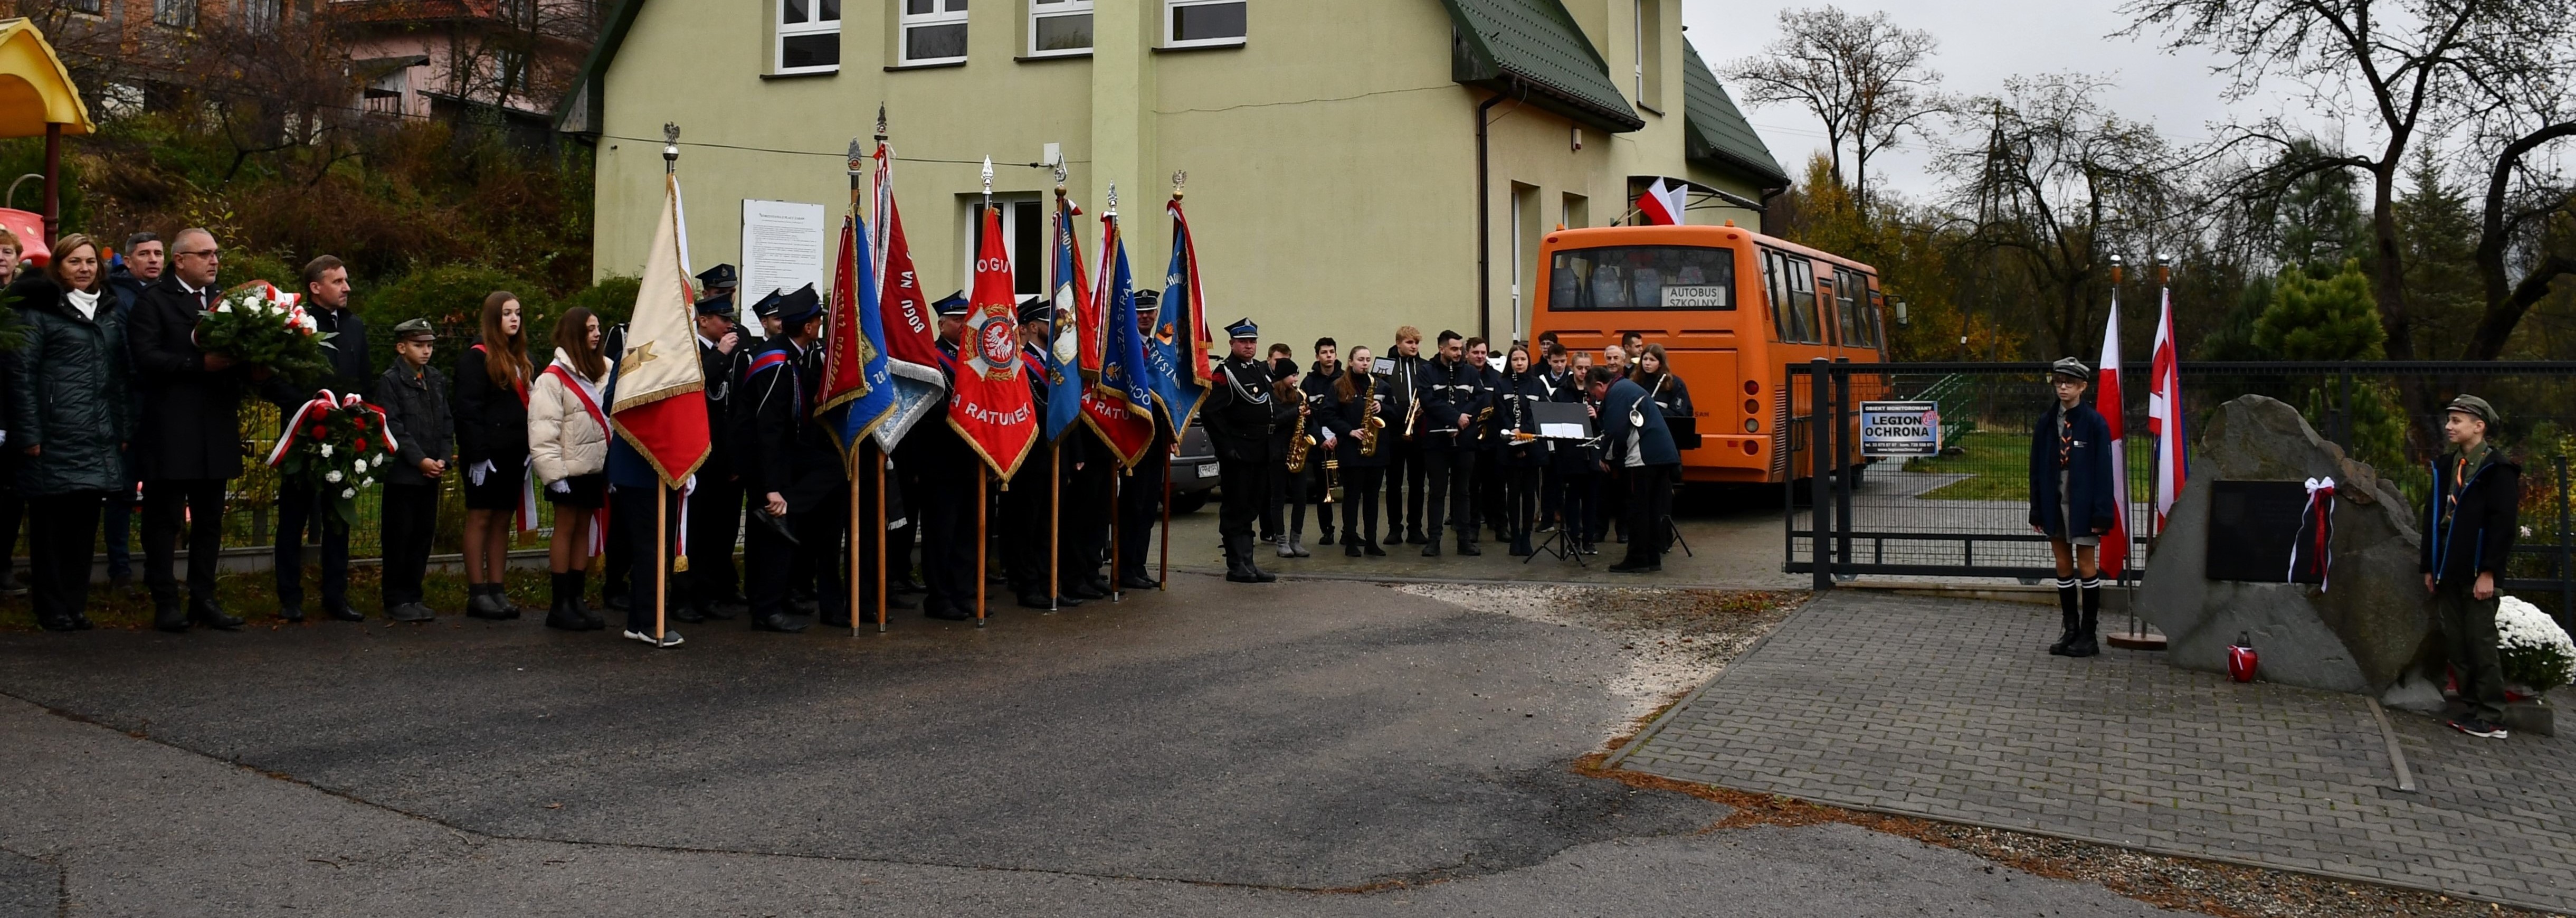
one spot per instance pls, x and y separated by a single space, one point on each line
1566 425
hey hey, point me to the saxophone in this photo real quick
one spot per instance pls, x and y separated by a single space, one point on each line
1370 423
1300 442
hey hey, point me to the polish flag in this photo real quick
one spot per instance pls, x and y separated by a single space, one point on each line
2164 412
1661 205
2106 399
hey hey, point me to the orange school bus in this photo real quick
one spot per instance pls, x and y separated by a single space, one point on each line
1735 310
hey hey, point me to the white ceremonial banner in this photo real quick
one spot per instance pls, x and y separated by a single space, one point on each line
783 248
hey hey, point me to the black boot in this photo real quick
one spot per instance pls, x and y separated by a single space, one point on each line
566 612
1520 545
1258 575
206 611
2085 642
2066 599
1467 543
1350 548
480 603
1238 560
169 616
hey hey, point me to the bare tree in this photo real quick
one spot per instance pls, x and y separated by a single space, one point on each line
2485 81
2056 185
1867 79
521 53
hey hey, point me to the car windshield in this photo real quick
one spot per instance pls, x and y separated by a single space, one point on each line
1642 277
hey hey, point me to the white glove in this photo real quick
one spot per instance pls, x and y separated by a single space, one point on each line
558 487
4 436
476 472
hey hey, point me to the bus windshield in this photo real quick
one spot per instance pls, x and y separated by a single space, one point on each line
1642 277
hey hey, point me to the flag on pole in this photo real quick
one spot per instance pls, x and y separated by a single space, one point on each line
1119 407
1662 204
910 338
660 363
1064 340
2164 411
1178 354
854 365
991 407
2106 399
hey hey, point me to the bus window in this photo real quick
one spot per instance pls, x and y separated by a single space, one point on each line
1792 284
1642 277
1849 289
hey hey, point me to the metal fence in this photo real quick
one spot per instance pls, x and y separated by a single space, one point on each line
1964 513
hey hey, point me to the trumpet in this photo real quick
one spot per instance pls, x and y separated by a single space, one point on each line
1332 476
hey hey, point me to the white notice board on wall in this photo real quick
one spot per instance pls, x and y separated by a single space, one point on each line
782 249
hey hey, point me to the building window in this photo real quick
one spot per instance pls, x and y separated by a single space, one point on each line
809 36
260 16
1059 27
177 14
1024 229
1201 23
934 31
87 7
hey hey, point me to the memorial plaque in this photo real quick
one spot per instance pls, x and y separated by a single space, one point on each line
2251 527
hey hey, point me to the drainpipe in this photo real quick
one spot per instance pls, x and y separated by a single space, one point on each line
1484 225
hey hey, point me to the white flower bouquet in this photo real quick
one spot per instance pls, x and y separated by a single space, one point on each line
260 325
2536 652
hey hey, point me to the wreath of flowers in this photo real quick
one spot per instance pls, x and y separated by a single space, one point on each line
334 445
260 325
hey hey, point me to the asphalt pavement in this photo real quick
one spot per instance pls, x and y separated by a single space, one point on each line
1299 748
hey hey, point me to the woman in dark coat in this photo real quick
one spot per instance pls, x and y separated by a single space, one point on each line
1656 377
70 415
2071 500
1523 455
491 409
1353 394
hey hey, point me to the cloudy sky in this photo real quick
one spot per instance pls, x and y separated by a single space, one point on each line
1982 42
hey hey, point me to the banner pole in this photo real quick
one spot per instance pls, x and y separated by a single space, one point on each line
983 519
1117 527
661 556
859 450
1163 580
1055 524
883 573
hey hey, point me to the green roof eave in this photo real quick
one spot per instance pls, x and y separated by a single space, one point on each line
580 110
1534 47
1716 132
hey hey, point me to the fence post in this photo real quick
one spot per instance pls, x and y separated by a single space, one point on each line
1842 462
1819 445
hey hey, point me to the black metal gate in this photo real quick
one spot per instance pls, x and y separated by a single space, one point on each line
1964 513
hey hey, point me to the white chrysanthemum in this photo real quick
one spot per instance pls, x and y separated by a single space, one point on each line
379 460
2537 653
326 451
332 476
369 483
361 467
223 307
346 493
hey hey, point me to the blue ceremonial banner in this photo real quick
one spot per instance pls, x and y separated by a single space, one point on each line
1178 355
855 310
1124 374
1064 346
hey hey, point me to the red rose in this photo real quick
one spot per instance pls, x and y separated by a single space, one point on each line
318 432
362 444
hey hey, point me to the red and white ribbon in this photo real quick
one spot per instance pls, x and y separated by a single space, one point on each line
293 432
2317 516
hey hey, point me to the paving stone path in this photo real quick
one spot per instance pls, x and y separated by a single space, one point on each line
1954 710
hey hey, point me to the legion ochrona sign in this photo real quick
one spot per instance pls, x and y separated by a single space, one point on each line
1900 429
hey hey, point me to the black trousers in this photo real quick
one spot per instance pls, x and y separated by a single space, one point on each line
948 509
905 478
1615 489
1247 492
1359 501
299 511
1551 496
1406 478
1140 509
715 520
1086 513
1451 477
1491 493
1294 487
13 512
817 549
58 551
1650 499
1579 508
410 517
196 505
632 509
617 568
1028 521
1520 500
1274 510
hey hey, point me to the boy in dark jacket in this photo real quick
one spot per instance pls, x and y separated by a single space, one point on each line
413 395
2469 528
2071 500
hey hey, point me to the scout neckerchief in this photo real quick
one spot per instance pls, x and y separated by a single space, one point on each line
2065 437
2464 462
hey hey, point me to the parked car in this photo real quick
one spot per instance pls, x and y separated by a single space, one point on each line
1194 471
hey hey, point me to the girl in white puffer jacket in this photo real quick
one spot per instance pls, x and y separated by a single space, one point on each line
568 445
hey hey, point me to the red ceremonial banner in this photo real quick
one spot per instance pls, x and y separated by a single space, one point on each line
911 335
1128 433
989 403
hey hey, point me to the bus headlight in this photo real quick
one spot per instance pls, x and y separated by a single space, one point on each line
1752 426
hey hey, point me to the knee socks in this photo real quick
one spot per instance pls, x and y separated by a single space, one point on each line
2092 604
2066 602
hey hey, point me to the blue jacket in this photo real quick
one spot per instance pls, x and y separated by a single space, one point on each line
2088 472
2475 535
1656 441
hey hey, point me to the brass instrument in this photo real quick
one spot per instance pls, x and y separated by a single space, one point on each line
1332 476
1370 424
1301 442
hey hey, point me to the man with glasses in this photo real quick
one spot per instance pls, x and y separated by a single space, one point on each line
187 443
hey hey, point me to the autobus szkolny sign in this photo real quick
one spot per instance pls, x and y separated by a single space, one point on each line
1900 429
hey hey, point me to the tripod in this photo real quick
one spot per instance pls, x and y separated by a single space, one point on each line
1561 543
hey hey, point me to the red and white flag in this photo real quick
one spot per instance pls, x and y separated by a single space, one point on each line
660 364
2106 399
2164 412
990 405
1662 203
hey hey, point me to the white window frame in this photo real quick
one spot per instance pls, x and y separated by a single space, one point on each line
1169 20
906 20
1014 206
1059 9
813 25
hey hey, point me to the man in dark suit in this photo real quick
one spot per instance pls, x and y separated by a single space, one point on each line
1633 431
715 508
187 441
299 510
